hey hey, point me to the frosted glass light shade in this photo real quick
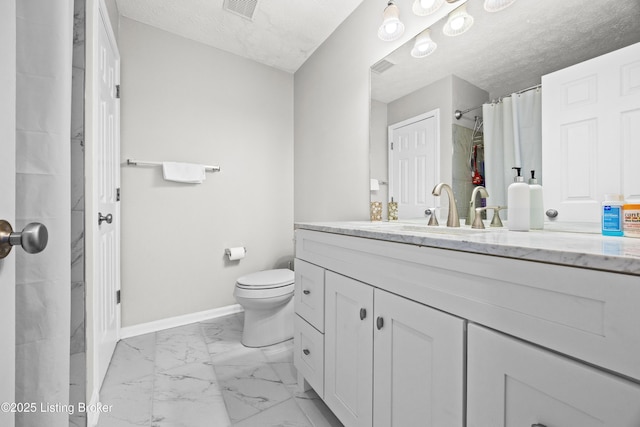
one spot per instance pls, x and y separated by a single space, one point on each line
459 22
423 45
426 7
497 5
392 28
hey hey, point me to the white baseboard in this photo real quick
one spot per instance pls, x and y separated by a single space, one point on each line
172 322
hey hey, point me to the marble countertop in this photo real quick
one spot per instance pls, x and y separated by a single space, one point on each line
575 246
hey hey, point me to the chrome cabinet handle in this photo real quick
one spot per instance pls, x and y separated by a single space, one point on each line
33 238
551 213
306 292
102 218
363 313
306 352
379 323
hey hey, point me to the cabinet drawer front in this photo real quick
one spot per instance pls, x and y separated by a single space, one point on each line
511 383
308 354
309 293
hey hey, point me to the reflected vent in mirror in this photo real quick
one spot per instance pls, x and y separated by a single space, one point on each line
243 8
381 66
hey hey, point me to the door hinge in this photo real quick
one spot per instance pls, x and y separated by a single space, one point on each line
118 194
392 145
117 91
118 297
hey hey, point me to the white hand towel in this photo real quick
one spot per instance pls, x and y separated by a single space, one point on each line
183 172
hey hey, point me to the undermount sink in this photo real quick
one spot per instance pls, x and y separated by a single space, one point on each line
419 228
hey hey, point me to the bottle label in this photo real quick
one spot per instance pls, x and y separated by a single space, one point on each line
611 218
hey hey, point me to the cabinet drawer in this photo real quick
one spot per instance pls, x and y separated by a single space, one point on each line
512 383
308 354
309 293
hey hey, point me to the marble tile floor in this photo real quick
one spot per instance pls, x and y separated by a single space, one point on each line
200 375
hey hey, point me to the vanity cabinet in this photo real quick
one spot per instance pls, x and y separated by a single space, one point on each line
547 344
512 383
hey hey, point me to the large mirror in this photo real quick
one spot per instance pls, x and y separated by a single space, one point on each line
503 53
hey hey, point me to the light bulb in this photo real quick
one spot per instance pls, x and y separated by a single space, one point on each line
423 47
426 4
391 27
457 23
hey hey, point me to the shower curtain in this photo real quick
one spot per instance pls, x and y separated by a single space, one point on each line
512 137
44 40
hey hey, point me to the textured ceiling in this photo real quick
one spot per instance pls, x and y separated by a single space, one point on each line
282 34
507 51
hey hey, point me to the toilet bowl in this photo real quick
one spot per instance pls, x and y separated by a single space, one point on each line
267 299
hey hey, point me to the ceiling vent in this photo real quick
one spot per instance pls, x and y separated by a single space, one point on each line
381 66
243 8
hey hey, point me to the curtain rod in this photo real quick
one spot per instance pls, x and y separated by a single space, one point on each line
458 114
131 162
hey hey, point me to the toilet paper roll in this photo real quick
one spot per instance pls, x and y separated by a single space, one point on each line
236 253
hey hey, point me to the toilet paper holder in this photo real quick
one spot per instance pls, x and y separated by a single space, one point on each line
227 251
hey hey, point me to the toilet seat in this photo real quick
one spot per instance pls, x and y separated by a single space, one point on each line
267 279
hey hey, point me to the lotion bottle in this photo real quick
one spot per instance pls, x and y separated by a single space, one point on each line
518 203
537 205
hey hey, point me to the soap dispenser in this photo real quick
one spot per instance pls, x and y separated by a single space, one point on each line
518 203
537 205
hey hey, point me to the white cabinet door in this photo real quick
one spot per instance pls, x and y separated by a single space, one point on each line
590 127
348 349
418 365
512 384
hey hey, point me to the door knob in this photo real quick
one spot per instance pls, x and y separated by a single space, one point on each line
33 238
102 218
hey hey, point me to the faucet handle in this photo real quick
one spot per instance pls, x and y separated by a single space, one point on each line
433 218
496 221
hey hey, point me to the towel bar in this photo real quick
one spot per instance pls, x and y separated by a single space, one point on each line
131 162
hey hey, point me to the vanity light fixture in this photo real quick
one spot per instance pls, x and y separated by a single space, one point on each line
423 45
497 5
392 28
426 7
459 22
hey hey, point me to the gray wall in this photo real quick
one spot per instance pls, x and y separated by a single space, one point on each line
184 101
379 153
332 115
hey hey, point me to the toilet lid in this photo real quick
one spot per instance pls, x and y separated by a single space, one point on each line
267 279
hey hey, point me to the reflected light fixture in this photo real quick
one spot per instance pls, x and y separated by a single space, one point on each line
497 5
426 7
459 22
391 28
423 45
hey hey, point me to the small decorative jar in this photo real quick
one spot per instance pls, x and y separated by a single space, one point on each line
376 211
393 211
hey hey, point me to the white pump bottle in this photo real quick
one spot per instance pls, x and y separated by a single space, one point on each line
519 204
537 204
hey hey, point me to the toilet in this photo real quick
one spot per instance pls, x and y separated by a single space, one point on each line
267 299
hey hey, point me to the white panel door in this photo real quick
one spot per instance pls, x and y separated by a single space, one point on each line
348 349
418 365
414 164
511 384
7 203
106 181
590 125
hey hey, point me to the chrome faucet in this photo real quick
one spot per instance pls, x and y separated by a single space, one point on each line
452 217
472 203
